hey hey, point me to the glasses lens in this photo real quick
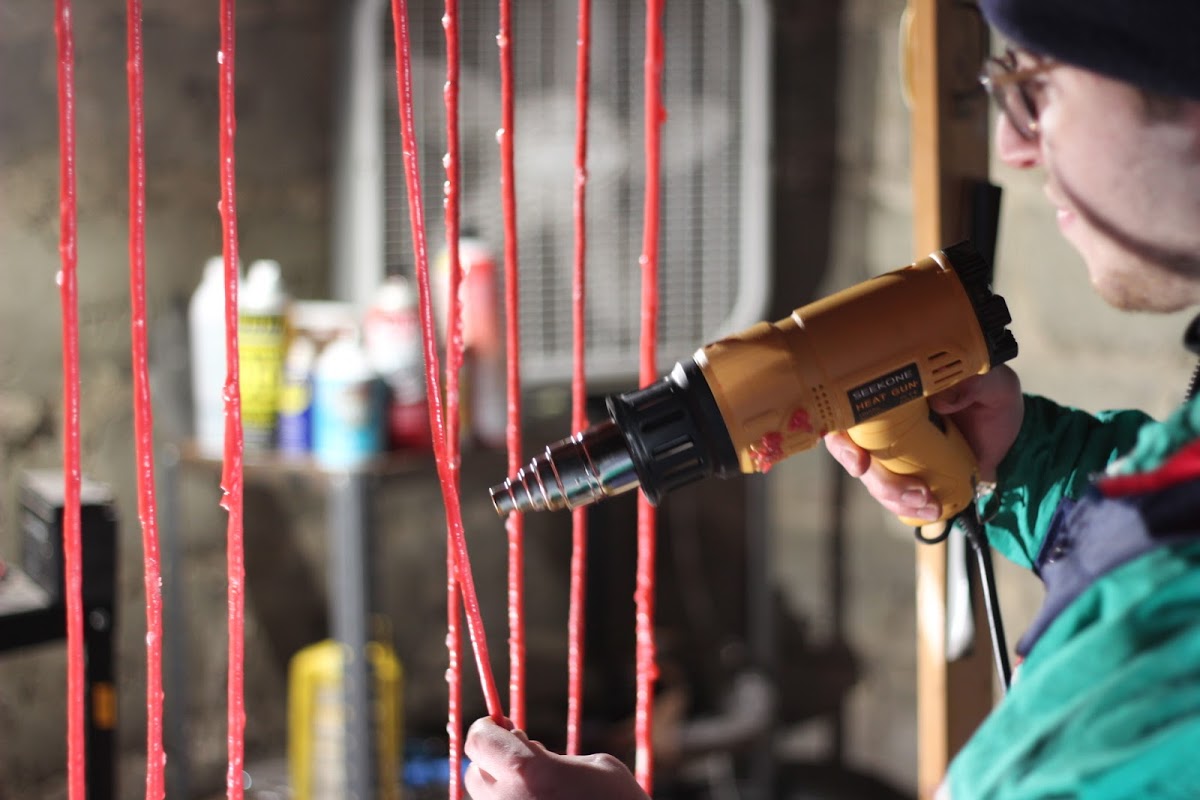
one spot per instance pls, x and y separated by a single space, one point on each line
1010 95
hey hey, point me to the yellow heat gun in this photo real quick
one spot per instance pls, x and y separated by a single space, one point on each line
861 361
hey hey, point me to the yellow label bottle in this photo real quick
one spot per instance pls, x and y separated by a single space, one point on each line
317 721
262 339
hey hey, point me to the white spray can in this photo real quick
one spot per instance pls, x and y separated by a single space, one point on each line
206 343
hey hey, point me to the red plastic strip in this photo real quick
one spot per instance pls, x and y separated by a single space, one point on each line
432 365
577 608
1184 465
72 478
143 406
454 349
232 473
515 524
647 668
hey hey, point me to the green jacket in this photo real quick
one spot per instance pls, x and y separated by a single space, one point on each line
1106 703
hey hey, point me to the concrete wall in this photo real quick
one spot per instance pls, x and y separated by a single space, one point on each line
845 112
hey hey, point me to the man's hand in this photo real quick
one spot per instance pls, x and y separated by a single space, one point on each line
987 408
506 765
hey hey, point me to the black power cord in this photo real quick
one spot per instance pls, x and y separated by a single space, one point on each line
968 520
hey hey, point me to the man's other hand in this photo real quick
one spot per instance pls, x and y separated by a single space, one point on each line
506 765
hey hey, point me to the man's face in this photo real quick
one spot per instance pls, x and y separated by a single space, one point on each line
1125 182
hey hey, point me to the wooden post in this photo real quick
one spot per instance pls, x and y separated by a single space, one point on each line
944 45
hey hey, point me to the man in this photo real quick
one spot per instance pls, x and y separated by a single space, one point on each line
1104 96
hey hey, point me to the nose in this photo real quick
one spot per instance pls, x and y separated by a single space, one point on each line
1012 148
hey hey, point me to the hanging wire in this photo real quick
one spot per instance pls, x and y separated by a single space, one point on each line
968 520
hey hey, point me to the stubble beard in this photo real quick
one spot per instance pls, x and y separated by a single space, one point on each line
1129 271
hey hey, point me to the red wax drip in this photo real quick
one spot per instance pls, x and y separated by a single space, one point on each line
647 669
768 451
577 608
72 478
142 404
516 522
800 421
462 561
231 477
454 349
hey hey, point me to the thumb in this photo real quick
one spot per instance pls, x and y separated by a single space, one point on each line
984 390
956 398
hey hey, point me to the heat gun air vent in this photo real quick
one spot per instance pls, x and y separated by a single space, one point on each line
944 369
824 407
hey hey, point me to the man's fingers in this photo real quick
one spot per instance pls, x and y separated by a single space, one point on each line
901 495
477 782
478 737
994 386
961 395
989 410
953 399
494 748
853 458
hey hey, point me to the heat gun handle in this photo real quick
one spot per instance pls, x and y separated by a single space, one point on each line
912 440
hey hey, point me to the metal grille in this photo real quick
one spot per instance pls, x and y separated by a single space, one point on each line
711 275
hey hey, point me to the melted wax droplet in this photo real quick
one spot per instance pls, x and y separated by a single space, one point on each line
768 451
800 421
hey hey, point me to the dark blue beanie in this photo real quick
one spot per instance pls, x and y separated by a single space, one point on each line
1154 44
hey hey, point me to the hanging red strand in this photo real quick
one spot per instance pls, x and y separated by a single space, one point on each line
647 669
72 477
516 521
577 608
231 473
432 366
142 405
454 350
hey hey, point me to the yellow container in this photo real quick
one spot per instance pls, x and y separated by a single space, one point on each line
317 719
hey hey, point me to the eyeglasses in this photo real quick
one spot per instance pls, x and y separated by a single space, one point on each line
1008 85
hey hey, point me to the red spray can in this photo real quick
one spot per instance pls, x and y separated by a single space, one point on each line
392 338
483 380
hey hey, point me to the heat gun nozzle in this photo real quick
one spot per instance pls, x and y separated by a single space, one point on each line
571 473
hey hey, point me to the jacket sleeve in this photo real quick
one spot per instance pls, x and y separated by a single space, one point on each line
1056 454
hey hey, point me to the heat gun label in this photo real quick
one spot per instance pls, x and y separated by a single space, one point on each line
885 392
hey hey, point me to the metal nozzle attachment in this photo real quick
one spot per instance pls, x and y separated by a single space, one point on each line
658 438
571 473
